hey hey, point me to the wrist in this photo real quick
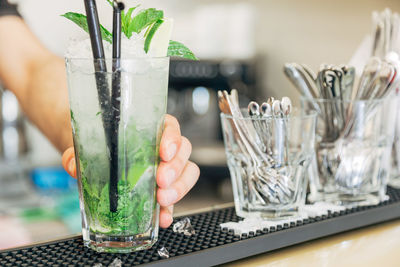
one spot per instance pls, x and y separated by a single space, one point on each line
7 9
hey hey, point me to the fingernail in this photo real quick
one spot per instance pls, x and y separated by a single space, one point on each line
170 219
171 209
171 196
170 177
171 151
71 166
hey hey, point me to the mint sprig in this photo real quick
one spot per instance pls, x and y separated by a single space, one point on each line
144 19
149 35
148 19
126 19
80 20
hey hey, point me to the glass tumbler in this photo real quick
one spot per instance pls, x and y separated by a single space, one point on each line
268 159
394 180
353 149
117 150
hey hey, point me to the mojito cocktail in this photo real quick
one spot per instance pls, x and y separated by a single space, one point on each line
144 84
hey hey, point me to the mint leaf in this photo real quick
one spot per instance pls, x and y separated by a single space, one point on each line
72 116
176 49
134 174
150 34
80 20
144 19
126 21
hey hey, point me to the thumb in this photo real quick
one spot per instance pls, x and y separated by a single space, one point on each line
68 161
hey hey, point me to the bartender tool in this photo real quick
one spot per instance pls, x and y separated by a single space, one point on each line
228 246
299 81
348 82
308 76
326 111
309 71
281 109
338 83
266 183
385 33
253 110
369 73
375 83
301 85
377 47
286 105
339 93
265 112
228 105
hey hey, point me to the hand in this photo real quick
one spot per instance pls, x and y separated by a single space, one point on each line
176 175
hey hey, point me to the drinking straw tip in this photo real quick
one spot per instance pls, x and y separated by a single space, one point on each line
118 5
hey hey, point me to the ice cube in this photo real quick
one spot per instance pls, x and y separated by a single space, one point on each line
116 263
163 252
79 49
184 227
130 48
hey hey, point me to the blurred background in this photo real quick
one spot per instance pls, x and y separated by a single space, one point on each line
241 44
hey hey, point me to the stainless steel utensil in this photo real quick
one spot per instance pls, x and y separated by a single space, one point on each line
286 106
298 81
266 112
260 136
348 82
267 184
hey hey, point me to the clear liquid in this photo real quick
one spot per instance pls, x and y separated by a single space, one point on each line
134 225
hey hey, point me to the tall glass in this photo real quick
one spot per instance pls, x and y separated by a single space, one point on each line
353 150
268 159
128 219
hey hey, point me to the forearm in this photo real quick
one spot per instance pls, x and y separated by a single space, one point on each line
37 77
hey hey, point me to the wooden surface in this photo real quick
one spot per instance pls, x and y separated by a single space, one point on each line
377 245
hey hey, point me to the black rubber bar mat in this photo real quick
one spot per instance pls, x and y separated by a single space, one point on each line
211 245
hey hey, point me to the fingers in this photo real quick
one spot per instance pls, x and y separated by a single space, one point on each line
68 161
166 217
175 175
168 171
171 138
174 193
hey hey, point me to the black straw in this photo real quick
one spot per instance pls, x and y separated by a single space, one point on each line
115 104
101 80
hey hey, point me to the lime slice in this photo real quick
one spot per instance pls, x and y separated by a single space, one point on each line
157 39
